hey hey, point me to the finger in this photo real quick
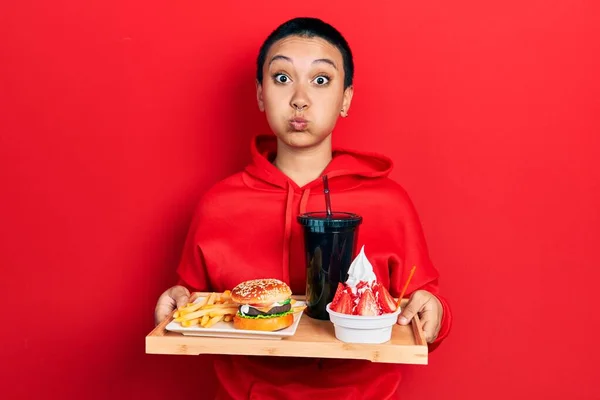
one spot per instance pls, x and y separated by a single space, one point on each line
163 310
168 301
181 296
414 306
428 329
430 320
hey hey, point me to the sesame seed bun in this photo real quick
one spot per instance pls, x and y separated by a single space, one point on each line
260 292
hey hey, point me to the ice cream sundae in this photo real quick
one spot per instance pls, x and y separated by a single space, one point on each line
362 294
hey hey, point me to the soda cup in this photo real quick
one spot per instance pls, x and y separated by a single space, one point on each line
330 243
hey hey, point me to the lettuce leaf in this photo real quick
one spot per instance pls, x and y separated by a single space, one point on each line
265 316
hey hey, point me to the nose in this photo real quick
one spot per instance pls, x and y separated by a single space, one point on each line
298 106
300 99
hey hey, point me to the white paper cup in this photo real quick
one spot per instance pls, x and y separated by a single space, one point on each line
363 329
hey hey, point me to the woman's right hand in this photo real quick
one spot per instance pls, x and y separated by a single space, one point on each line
172 298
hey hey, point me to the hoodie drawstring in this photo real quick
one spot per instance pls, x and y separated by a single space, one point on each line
287 233
287 230
304 200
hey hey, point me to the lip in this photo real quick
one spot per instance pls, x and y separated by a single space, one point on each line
298 124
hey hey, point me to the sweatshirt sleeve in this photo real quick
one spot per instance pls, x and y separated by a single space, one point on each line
191 271
445 325
413 251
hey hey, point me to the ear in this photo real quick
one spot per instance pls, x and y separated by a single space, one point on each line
259 96
347 100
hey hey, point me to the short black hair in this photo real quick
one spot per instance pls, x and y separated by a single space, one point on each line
309 28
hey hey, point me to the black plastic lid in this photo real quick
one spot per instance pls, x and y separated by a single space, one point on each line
337 219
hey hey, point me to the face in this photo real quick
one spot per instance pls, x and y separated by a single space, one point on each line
302 93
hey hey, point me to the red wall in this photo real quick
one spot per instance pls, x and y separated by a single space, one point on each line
115 117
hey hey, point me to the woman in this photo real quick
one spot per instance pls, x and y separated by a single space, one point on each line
244 227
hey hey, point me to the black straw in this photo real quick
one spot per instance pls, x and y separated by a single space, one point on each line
327 198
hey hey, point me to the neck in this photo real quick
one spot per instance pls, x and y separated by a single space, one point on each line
303 165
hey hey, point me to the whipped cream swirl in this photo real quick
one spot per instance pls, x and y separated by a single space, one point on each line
360 270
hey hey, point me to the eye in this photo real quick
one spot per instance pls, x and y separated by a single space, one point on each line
281 78
321 80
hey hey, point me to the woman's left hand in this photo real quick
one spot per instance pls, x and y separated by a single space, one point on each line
430 312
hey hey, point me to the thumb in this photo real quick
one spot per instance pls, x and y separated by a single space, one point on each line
168 301
181 296
414 305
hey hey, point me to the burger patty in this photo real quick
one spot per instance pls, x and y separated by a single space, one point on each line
253 312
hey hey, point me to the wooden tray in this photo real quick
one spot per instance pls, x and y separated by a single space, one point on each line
313 338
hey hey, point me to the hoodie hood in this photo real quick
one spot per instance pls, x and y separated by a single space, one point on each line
347 169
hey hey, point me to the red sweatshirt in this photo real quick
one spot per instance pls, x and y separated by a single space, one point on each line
245 227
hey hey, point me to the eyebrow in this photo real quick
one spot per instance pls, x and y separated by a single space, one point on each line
319 60
326 61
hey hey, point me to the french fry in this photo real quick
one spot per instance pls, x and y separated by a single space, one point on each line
293 301
221 311
206 312
220 305
213 321
211 299
204 320
194 307
192 315
298 308
190 322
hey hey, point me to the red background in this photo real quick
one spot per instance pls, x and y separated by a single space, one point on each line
115 117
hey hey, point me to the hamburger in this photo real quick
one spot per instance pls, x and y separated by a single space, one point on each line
264 305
